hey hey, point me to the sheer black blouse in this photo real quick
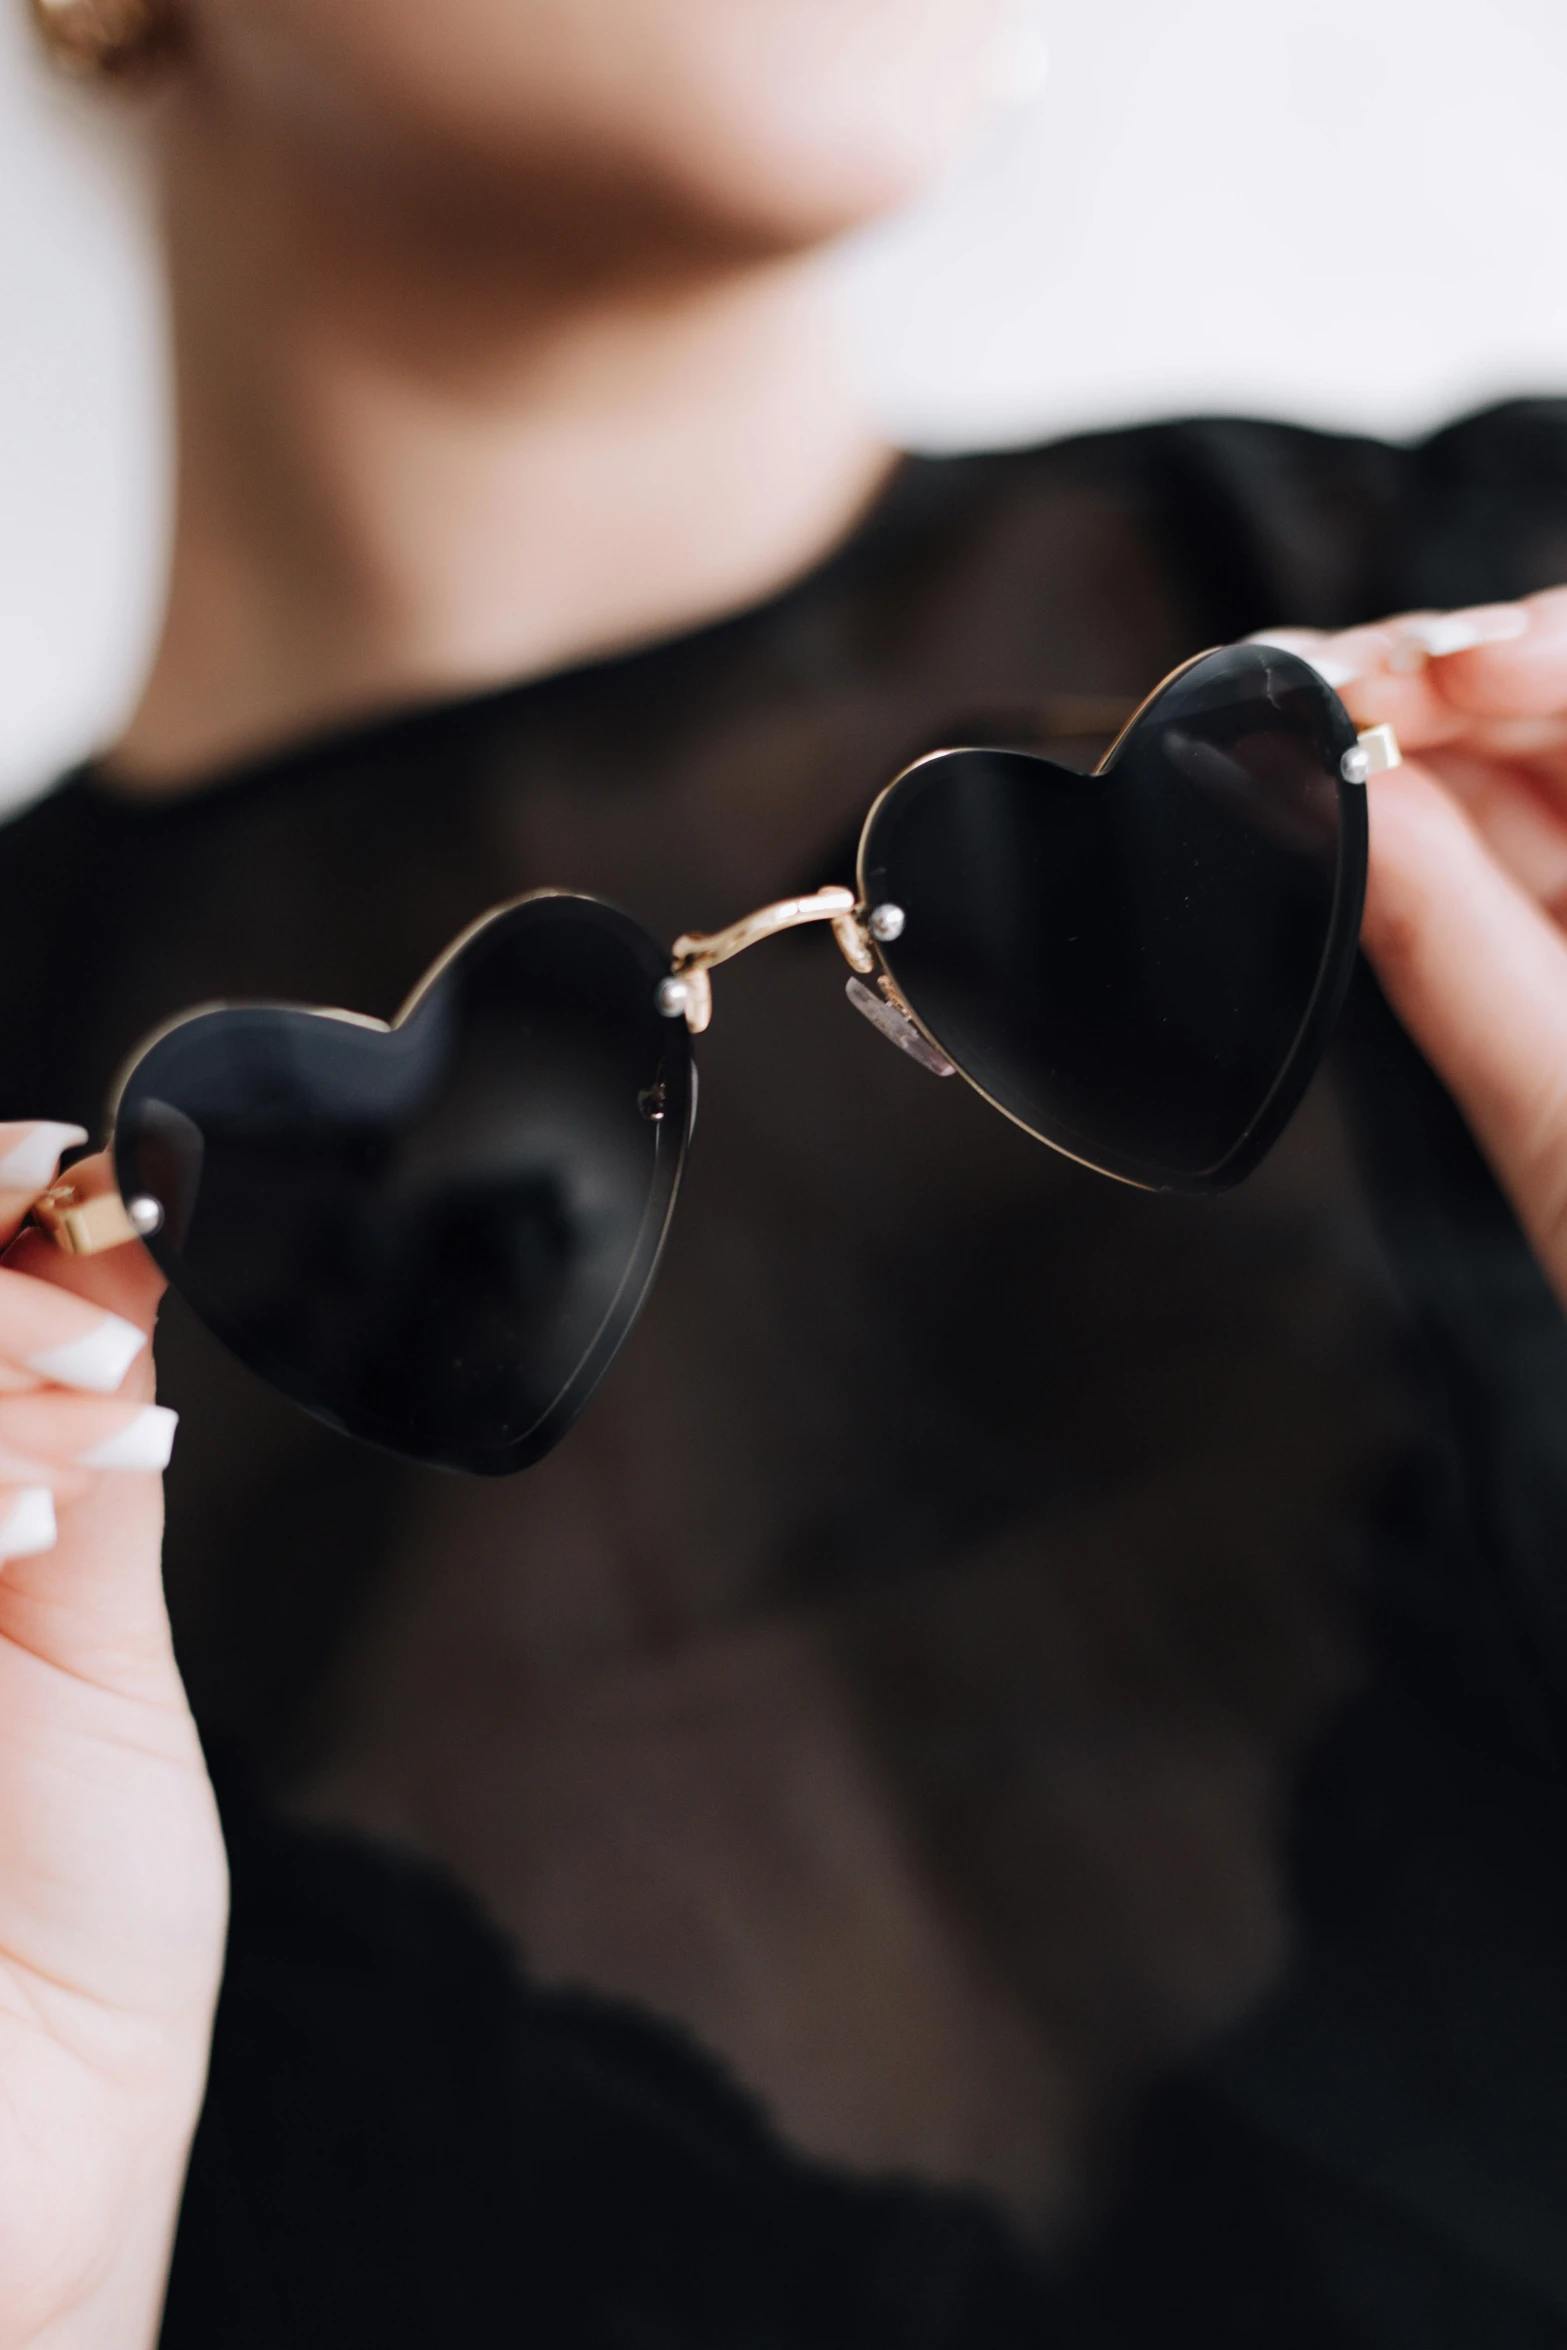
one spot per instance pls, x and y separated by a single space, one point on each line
1006 1783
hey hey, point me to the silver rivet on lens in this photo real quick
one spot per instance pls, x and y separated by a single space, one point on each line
886 923
673 997
1355 765
146 1214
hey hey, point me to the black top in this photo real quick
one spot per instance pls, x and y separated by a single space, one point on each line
1060 1690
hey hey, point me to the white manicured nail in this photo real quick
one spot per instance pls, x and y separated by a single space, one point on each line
1288 640
1458 632
143 1443
29 1527
97 1361
1331 672
29 1163
1308 648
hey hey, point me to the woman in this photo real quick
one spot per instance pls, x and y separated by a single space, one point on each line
918 1676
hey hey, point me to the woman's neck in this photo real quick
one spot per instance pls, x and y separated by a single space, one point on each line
408 470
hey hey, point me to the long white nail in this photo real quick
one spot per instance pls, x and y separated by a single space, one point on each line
143 1443
29 1526
1459 632
96 1362
1288 640
1308 648
28 1164
1331 672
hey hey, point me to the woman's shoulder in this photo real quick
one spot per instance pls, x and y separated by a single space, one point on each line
1518 443
51 823
59 856
64 884
1258 520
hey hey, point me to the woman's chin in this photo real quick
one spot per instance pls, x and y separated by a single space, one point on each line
765 124
814 150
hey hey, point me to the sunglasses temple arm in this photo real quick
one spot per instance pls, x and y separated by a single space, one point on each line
85 1224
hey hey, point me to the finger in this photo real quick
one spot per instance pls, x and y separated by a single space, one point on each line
19 1466
30 1151
1514 673
1337 657
1437 677
47 1334
1358 665
50 1429
123 1280
1522 821
1355 665
28 1524
92 1604
1478 974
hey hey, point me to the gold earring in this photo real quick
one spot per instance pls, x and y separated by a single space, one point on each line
109 37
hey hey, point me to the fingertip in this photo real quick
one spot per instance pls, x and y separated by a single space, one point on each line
28 1526
1407 701
124 1279
31 1150
30 1153
146 1441
97 1361
1522 674
1547 606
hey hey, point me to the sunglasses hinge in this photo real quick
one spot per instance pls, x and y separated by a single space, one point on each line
84 1224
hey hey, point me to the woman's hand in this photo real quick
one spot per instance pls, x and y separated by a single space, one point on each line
113 1889
1467 901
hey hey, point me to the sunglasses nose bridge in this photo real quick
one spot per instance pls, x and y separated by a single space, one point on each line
687 991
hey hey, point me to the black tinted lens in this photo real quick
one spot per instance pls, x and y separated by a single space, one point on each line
1142 967
435 1236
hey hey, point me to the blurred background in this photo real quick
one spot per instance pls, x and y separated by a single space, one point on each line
1352 212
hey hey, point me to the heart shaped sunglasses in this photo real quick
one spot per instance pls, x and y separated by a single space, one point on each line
436 1235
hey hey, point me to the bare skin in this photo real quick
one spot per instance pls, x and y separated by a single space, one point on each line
1466 914
113 1888
361 526
503 348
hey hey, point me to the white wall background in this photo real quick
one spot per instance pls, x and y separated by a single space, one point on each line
1351 211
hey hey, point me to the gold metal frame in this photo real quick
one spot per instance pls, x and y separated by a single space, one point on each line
696 953
87 1226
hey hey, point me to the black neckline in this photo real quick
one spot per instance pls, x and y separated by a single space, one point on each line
905 497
